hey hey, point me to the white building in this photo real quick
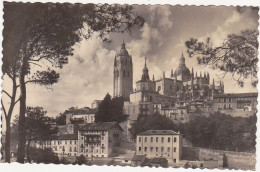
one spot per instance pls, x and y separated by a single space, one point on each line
98 139
80 116
160 143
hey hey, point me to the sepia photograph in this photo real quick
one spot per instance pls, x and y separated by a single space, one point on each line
130 85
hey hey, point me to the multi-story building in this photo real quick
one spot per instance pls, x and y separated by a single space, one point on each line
160 143
63 145
80 116
236 104
98 139
123 73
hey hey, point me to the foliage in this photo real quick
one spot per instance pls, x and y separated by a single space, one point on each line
43 34
236 55
221 131
61 118
37 127
80 160
111 109
43 155
152 122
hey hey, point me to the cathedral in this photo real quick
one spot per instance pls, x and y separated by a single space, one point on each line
180 86
178 96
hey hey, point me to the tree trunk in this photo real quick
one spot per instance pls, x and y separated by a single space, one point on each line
7 140
28 151
8 119
21 123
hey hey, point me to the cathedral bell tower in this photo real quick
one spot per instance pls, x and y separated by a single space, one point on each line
123 73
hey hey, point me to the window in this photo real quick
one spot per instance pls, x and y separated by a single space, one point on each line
139 139
162 149
168 149
86 150
70 142
174 150
174 160
82 138
151 149
151 98
162 139
70 149
151 139
145 139
54 142
145 149
169 139
156 149
128 73
102 138
224 100
229 99
75 149
174 139
140 148
124 74
156 139
75 142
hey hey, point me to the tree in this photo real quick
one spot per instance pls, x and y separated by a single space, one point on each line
45 34
111 109
43 156
80 160
236 55
38 127
104 110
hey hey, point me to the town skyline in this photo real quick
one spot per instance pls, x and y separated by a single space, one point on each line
95 56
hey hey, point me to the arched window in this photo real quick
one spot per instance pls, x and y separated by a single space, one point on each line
128 73
124 74
151 98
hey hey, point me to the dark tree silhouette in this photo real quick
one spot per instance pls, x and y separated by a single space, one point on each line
37 126
111 109
38 34
236 55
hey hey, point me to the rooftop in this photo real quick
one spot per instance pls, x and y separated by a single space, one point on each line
99 126
236 95
159 132
66 137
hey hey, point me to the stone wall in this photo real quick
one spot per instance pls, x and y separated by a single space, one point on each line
229 159
240 160
226 159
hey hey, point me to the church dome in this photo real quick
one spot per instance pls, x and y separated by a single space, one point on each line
182 70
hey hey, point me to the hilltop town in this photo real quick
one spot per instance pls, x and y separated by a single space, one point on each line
178 98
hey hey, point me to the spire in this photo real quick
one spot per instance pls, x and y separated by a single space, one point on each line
145 75
153 77
163 74
172 73
145 61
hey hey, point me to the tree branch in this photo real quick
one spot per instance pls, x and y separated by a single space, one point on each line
7 94
4 109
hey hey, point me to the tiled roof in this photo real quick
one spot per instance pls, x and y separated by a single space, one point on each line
237 95
66 137
99 126
159 132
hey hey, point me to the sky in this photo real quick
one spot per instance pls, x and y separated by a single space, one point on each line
89 74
